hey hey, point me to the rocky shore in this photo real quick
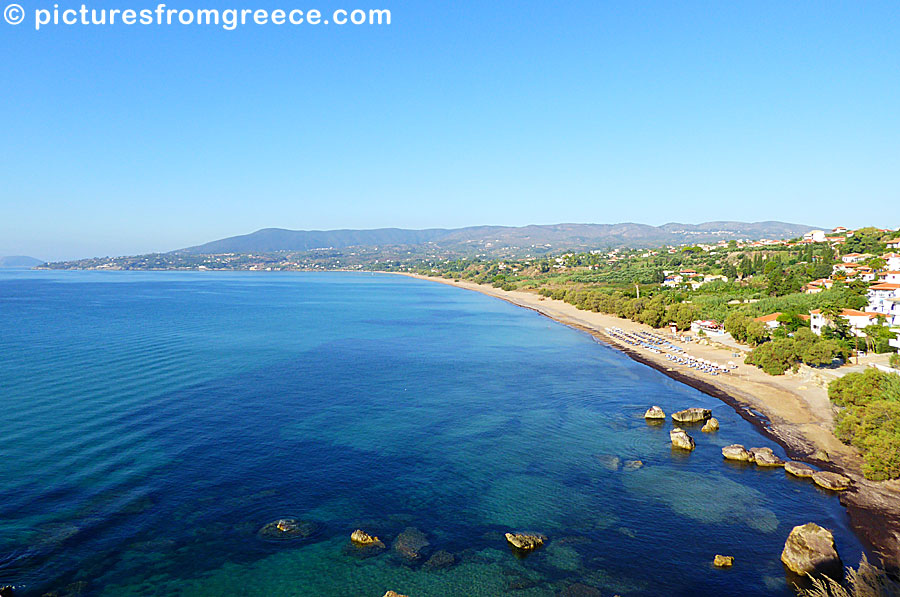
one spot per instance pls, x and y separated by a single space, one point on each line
791 410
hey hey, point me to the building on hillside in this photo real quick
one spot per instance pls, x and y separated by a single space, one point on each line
770 320
884 299
839 230
673 280
893 243
858 321
889 277
835 240
856 257
816 236
818 285
892 261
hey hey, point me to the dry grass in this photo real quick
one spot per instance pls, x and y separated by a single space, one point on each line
866 581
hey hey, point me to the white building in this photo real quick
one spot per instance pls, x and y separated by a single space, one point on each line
884 299
816 236
893 243
892 261
858 320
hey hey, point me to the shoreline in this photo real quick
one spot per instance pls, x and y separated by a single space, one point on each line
792 410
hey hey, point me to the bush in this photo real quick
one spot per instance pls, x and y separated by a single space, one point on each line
867 581
871 419
895 361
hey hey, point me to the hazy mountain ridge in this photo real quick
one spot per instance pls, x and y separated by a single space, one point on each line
19 261
557 236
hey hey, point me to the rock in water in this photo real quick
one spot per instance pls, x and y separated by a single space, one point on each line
632 465
680 439
411 543
609 461
765 457
711 425
360 537
393 594
524 541
832 481
692 415
736 452
439 560
798 469
809 549
723 561
655 413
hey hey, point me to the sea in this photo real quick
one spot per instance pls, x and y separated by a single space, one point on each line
154 424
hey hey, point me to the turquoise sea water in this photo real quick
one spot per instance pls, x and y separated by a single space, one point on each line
154 422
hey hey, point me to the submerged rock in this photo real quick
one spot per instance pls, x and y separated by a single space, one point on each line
809 549
7 591
832 481
692 415
723 561
439 560
288 528
765 457
736 452
798 469
711 425
580 590
525 541
609 461
363 539
680 439
411 543
632 465
655 413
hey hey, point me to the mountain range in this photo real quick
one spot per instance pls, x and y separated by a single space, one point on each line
19 261
491 239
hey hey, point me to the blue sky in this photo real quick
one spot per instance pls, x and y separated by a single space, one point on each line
131 139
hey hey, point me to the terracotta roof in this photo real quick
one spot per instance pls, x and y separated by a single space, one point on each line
769 317
847 313
885 286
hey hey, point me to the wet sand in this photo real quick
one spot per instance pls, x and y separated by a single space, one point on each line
793 410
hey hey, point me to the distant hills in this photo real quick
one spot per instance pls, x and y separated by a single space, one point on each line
491 239
19 261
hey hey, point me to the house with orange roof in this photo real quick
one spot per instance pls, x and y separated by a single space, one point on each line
818 285
893 243
884 299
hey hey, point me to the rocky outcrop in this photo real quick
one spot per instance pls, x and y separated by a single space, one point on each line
393 594
798 469
765 457
361 538
525 541
655 413
439 560
711 425
736 452
832 481
7 591
411 544
809 549
723 561
692 415
680 439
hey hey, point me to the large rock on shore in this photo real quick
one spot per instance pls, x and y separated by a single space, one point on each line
525 541
692 415
798 469
680 439
765 457
832 481
411 543
711 425
736 452
809 549
655 413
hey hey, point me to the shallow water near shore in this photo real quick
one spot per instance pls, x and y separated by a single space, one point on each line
155 422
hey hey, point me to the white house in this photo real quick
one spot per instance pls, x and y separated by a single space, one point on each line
858 320
855 257
818 285
770 320
816 236
893 243
884 299
892 261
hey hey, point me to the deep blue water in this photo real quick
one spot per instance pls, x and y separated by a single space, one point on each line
154 422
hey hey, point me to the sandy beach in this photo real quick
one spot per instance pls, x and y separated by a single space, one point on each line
793 410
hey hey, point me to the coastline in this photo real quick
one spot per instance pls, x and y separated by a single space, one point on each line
792 410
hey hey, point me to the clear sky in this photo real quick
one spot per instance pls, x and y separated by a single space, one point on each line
123 140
